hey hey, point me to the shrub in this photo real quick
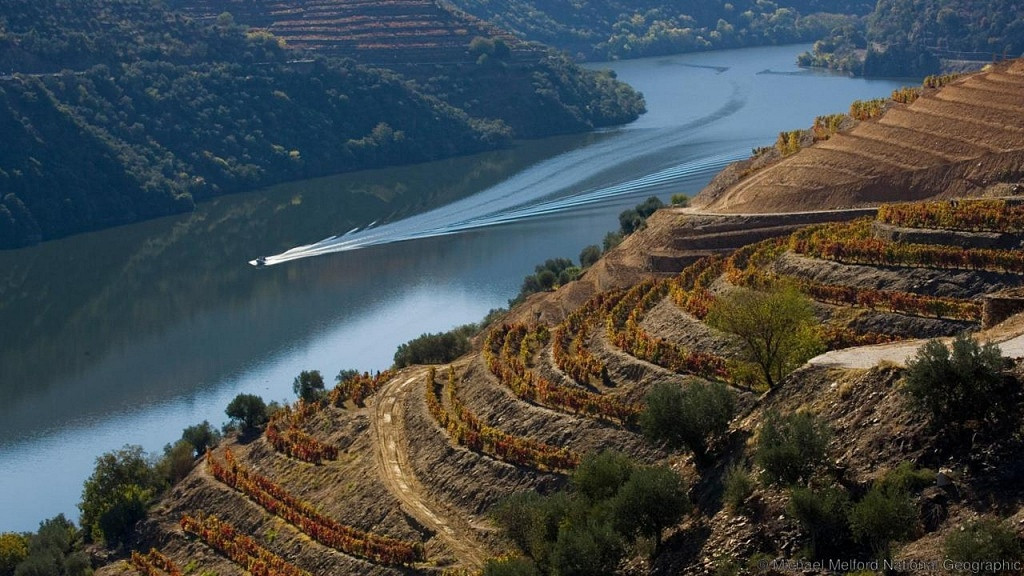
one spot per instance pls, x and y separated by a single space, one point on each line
983 540
435 348
176 462
680 200
517 566
600 476
248 410
611 240
907 478
823 514
54 550
689 416
738 485
883 515
653 499
589 256
309 385
954 387
789 448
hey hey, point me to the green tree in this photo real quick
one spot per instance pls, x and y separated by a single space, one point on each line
517 566
309 385
589 256
55 550
967 383
600 476
776 328
249 410
346 374
653 499
177 462
790 448
689 416
201 436
13 549
586 549
115 495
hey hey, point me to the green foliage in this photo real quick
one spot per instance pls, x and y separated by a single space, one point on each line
435 348
346 374
611 240
790 448
688 416
954 387
680 200
907 478
201 436
883 515
589 256
309 385
55 550
788 142
822 513
983 540
776 328
653 499
554 272
177 462
114 497
738 485
611 502
248 410
599 477
13 549
636 218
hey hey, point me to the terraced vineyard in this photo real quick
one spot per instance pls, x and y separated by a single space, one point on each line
371 31
940 145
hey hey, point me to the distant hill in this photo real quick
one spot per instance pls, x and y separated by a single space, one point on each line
920 37
115 111
607 29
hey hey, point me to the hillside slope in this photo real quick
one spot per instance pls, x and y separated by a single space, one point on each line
963 139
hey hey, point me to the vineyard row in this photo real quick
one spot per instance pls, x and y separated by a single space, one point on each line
241 549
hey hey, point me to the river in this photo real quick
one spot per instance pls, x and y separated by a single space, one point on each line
130 334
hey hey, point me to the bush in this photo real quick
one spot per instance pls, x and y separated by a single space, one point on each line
586 549
883 515
589 256
552 273
437 348
738 485
822 513
176 462
600 476
114 497
55 550
248 410
908 479
680 200
653 499
789 448
517 566
611 240
689 416
954 387
983 540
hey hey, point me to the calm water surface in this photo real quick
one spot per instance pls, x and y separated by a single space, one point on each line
129 335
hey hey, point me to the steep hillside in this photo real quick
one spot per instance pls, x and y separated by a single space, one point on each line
398 472
963 139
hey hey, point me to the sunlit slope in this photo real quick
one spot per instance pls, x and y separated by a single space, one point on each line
960 140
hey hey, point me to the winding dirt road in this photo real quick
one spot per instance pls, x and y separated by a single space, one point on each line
397 472
864 357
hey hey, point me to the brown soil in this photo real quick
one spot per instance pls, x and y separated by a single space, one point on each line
956 141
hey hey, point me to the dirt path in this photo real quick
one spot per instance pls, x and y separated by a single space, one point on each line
899 352
397 472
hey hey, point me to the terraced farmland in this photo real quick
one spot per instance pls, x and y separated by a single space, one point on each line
946 143
370 31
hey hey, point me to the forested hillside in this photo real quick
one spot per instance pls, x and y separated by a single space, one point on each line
919 37
114 111
616 29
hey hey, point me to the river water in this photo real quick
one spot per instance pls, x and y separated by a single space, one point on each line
128 335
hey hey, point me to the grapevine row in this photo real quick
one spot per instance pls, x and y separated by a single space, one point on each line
358 388
240 548
969 215
154 564
624 330
849 244
569 339
276 500
466 429
506 352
